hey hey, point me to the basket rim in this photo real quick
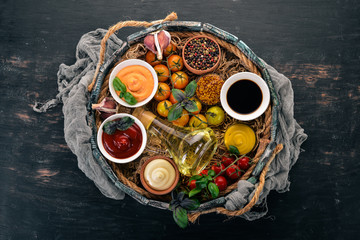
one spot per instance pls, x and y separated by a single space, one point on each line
179 26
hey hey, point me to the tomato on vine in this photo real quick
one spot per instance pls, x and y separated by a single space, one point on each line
162 72
151 58
163 92
179 79
175 63
233 172
221 182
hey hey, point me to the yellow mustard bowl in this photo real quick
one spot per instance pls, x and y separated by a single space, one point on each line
241 136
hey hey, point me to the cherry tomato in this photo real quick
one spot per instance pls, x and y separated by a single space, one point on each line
227 160
192 184
162 72
163 108
233 172
172 99
196 123
204 172
175 63
243 163
221 182
179 79
170 49
163 92
151 58
218 168
183 120
198 104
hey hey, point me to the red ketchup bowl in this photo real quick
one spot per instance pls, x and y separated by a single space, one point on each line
122 146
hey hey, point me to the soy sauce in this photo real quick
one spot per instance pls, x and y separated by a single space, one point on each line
244 96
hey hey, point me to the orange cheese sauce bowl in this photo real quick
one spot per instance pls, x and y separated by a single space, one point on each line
140 80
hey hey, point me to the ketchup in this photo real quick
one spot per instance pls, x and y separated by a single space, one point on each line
123 144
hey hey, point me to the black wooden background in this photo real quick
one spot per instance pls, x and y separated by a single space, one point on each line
43 194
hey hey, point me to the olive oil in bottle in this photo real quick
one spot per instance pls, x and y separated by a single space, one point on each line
191 150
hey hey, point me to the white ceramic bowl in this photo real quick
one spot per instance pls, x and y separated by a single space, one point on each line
121 160
243 76
127 63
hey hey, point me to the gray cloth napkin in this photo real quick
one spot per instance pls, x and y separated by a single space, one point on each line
72 85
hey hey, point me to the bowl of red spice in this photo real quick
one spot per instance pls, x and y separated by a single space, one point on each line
201 54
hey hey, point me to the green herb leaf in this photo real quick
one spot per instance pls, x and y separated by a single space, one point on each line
121 94
233 150
124 123
178 94
190 105
190 89
110 127
194 192
213 189
190 204
129 98
180 217
201 183
211 173
175 112
195 177
119 85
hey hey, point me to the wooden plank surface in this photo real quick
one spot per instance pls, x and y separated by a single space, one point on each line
43 194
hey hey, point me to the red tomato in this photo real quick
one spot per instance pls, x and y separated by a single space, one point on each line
227 160
192 184
218 168
233 172
243 163
204 172
221 182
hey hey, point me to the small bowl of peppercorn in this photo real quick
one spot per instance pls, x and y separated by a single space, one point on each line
201 54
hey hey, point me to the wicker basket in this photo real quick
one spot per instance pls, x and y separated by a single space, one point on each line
265 151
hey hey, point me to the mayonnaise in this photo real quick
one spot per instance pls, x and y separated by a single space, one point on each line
159 174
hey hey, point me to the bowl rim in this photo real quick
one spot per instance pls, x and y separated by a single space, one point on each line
193 70
126 63
147 187
245 76
121 160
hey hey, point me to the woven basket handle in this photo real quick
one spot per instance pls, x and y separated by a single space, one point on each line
222 210
171 17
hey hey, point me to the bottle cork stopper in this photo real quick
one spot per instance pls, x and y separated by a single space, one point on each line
145 117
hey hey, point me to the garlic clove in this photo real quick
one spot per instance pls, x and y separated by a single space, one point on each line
106 107
149 43
157 42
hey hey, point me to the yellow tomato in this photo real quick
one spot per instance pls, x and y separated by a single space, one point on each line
163 108
198 121
183 120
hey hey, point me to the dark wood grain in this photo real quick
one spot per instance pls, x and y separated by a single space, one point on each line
43 194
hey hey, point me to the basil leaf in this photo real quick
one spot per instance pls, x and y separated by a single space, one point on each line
110 127
190 105
180 196
213 189
201 183
175 112
180 217
121 94
190 204
119 85
190 89
129 98
194 192
124 123
178 95
234 150
211 173
195 177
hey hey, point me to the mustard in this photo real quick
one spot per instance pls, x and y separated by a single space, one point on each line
241 136
159 174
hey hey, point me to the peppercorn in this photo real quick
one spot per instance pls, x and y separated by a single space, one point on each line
199 52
